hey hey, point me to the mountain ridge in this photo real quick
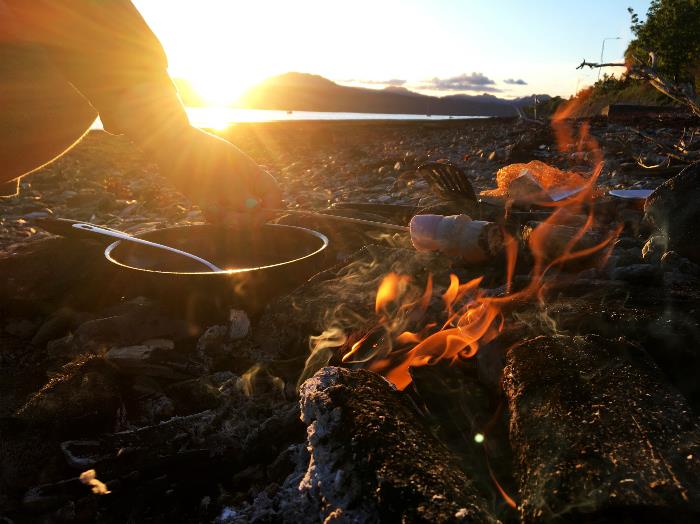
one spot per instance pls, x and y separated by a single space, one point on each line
308 92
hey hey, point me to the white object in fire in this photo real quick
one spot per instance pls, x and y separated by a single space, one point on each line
457 236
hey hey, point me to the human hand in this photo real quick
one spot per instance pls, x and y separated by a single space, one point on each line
227 184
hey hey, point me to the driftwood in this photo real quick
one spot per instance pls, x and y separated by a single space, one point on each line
372 460
598 434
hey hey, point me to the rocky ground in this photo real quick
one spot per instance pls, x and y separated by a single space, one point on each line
206 421
105 180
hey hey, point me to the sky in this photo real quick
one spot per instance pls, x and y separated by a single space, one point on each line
508 48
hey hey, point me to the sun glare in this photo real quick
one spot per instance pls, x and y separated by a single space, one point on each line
218 90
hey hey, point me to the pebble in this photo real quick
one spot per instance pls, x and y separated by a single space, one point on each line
239 324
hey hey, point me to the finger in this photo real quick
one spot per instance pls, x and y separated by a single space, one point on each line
266 188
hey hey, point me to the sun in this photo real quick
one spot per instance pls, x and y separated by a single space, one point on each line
218 89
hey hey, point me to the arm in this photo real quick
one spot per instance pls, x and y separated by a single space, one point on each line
108 52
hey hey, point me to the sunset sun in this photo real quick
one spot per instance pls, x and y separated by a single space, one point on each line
218 89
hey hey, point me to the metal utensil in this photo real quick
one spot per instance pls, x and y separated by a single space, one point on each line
361 221
448 181
65 227
631 194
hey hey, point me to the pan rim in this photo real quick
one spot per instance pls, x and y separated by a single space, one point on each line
323 238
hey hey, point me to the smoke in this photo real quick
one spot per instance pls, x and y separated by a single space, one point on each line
321 350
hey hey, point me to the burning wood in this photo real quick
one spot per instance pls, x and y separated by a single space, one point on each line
597 432
372 458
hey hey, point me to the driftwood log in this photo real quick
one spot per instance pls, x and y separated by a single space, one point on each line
372 460
598 434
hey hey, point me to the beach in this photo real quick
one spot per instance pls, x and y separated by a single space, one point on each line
106 180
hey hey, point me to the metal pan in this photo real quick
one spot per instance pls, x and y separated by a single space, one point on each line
259 264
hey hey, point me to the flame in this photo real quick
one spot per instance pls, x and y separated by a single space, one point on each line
473 315
389 289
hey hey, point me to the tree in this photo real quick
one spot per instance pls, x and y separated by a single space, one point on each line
672 31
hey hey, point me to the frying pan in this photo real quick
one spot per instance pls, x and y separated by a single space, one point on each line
258 264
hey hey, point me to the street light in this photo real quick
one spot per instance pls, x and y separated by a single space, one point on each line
602 50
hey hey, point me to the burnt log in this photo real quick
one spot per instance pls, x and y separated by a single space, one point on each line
598 434
372 460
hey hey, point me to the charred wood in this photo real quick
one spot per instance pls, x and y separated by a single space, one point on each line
598 434
373 461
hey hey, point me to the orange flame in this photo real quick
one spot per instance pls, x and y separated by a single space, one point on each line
473 316
389 289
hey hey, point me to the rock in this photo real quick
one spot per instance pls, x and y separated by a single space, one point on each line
84 394
57 325
640 274
239 324
154 358
135 322
627 257
672 261
627 243
654 248
20 328
675 211
213 345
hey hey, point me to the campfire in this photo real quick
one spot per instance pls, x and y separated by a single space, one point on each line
526 353
473 315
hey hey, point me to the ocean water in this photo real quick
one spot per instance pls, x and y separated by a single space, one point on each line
222 117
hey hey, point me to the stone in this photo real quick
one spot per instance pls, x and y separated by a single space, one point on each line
153 358
239 324
640 274
21 328
672 261
654 248
674 208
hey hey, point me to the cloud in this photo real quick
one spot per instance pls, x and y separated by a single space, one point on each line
514 82
396 82
463 82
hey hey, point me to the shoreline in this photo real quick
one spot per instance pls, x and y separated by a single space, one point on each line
106 180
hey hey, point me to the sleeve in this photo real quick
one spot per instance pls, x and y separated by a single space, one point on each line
108 52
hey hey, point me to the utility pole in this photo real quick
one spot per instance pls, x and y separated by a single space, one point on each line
602 49
536 107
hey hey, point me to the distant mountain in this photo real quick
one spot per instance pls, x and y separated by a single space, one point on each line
306 92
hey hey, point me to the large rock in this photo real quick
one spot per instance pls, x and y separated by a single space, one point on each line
674 208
